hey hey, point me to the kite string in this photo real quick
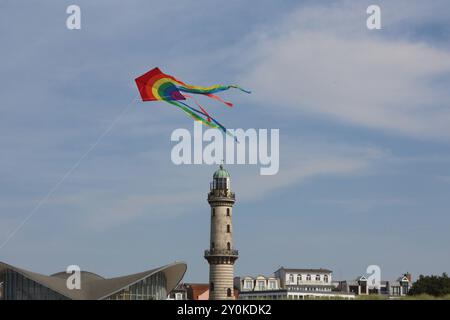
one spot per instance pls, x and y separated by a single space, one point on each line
67 174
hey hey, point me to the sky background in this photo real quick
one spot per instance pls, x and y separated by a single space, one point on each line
364 119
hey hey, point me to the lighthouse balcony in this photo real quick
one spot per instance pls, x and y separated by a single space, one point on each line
221 252
221 193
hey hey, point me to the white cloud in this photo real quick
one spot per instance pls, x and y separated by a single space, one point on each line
321 61
308 159
116 210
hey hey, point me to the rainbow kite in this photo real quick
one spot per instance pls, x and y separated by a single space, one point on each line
158 86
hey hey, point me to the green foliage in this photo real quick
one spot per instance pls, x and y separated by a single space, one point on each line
437 286
425 296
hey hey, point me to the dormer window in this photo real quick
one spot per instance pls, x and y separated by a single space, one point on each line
248 284
261 285
272 284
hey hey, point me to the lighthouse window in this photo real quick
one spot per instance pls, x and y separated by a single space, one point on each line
228 292
221 183
228 212
211 286
228 246
228 228
213 212
212 245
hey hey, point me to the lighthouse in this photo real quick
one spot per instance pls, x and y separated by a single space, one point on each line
221 254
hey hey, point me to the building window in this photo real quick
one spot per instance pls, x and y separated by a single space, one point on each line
228 228
228 212
317 277
146 289
211 286
272 284
228 246
299 279
248 284
325 278
308 277
261 285
178 296
291 279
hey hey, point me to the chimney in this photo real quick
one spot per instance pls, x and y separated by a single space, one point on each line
409 277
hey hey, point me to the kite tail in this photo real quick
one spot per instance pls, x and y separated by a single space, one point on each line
205 113
240 88
208 90
192 112
213 96
198 105
182 86
193 115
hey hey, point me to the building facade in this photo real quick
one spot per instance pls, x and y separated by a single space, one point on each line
392 288
289 283
259 283
221 255
156 284
179 293
307 279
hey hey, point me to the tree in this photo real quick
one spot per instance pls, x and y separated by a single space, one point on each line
434 285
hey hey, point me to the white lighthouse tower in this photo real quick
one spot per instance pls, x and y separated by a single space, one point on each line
221 254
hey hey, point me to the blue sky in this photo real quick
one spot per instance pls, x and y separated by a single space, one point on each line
364 135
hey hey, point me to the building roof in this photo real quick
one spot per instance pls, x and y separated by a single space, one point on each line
256 277
85 276
294 270
195 290
221 173
197 285
95 287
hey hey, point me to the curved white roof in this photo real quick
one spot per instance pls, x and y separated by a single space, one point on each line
95 287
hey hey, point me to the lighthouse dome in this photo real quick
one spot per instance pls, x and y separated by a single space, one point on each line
221 173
